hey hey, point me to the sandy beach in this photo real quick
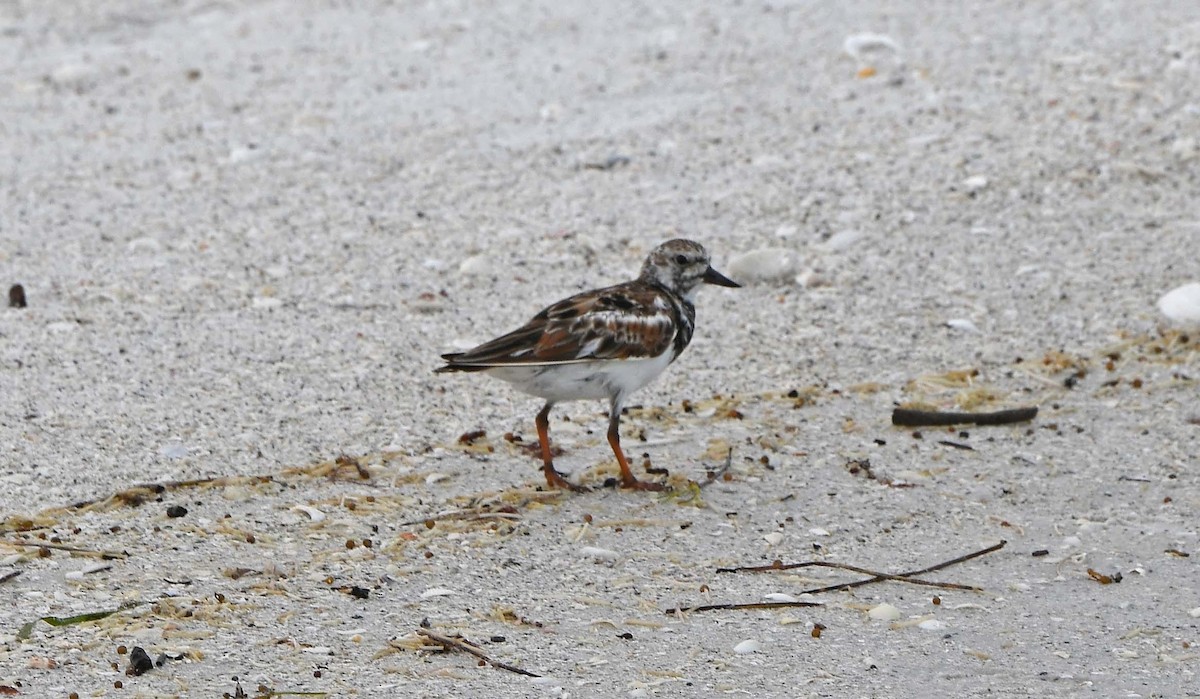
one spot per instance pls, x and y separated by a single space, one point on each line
245 231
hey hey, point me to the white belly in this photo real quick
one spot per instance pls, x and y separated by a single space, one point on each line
585 380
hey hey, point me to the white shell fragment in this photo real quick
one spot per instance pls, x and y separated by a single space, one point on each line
884 612
313 513
747 646
931 625
1195 613
1182 304
599 554
843 239
774 538
857 45
779 597
437 592
974 183
763 265
476 265
962 324
87 570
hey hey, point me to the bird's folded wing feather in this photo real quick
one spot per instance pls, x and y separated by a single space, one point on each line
628 321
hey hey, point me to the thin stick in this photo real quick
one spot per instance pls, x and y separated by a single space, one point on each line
460 644
461 515
909 577
9 575
908 417
133 492
902 577
105 555
716 476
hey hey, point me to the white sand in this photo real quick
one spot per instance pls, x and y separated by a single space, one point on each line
242 230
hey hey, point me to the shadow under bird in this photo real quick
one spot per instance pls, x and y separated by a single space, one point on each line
601 344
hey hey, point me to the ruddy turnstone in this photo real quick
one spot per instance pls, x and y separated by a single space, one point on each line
601 344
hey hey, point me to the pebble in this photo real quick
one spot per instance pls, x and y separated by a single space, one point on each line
763 265
884 612
747 646
774 538
1182 304
1195 613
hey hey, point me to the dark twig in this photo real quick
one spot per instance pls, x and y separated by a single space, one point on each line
450 643
902 577
907 417
105 555
908 577
9 575
746 605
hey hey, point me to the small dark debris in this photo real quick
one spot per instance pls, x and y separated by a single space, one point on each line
610 163
956 445
139 662
16 296
1039 553
176 511
610 482
471 437
359 592
880 442
497 639
627 636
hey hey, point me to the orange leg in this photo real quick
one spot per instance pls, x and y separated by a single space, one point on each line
553 478
614 440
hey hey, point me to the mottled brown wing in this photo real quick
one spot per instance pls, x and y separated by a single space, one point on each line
627 321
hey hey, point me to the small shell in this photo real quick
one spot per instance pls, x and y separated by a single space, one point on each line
931 625
858 44
774 538
747 646
884 612
1182 304
313 513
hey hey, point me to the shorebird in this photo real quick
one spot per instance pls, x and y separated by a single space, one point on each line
601 344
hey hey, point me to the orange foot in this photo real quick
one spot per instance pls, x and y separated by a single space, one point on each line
556 480
635 484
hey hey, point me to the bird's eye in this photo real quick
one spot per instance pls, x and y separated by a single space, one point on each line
681 259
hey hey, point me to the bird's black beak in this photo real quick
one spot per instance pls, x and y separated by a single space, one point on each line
712 276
